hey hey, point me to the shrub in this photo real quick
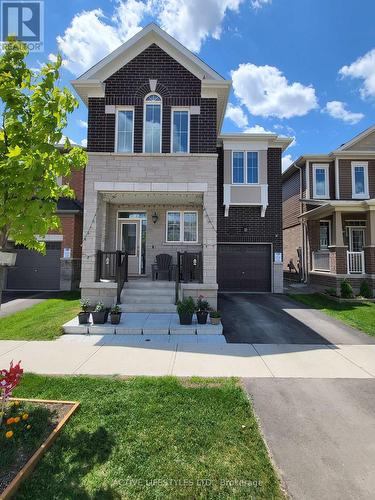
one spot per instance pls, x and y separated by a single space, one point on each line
365 290
346 290
215 314
186 306
331 291
85 304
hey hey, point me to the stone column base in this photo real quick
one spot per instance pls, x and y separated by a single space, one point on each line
208 290
70 274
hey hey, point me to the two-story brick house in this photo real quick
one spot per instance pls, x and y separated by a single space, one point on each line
162 179
329 214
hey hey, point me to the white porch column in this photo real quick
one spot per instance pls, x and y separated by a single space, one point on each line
209 237
337 222
94 220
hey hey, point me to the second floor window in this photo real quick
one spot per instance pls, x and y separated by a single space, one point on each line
359 180
152 124
125 128
180 131
320 175
245 167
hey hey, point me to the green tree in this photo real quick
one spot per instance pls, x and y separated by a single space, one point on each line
34 114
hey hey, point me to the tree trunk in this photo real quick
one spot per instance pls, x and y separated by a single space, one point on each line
2 281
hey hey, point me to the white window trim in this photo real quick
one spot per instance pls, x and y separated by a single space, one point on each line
363 164
172 121
329 234
245 169
324 166
123 108
144 120
181 212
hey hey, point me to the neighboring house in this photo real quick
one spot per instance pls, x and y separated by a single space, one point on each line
162 179
329 213
60 267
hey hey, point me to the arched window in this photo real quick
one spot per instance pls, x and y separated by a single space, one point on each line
152 124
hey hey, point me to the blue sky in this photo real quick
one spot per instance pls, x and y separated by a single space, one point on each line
304 68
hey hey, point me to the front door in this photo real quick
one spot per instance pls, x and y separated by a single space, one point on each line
129 240
357 239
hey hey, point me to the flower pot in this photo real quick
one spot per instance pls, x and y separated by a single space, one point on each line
83 318
115 318
215 321
7 258
202 317
99 318
186 318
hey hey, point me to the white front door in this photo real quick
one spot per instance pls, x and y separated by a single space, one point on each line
129 240
356 239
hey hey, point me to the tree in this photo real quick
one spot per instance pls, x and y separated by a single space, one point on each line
34 115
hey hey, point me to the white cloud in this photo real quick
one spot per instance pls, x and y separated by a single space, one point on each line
258 4
237 115
338 109
191 22
286 160
265 91
84 143
82 123
91 35
256 129
52 58
364 69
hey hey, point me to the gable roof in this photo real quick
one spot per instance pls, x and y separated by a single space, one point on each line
356 139
91 83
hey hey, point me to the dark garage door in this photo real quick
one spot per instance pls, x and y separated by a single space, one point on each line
35 271
244 268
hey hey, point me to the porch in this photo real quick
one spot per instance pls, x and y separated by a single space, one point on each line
341 243
131 231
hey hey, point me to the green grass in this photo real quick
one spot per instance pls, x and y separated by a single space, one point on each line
42 321
360 315
151 438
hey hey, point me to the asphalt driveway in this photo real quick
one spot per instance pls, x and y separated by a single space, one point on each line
320 434
276 319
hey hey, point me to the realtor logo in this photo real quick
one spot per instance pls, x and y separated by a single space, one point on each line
24 21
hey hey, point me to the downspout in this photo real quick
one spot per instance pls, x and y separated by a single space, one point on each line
303 231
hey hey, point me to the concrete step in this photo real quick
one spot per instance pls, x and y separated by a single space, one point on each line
140 284
148 299
146 292
148 308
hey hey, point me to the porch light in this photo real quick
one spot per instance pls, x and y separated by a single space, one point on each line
155 217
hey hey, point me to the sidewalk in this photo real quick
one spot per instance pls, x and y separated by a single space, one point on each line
132 355
20 304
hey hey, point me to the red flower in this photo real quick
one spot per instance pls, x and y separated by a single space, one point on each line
9 379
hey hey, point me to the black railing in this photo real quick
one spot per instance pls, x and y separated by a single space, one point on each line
112 266
189 268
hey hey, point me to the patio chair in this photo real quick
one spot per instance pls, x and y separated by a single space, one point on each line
162 266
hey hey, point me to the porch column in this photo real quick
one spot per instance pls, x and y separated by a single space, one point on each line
338 261
209 237
369 248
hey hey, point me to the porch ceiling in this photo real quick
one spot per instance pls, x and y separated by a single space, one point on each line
154 198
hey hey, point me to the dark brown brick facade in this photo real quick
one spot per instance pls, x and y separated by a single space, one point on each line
245 224
129 85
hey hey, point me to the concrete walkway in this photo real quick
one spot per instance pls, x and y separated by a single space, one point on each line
134 355
21 303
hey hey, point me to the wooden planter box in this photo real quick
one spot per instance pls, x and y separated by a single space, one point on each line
32 462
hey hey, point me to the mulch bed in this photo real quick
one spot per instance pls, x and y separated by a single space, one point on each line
53 419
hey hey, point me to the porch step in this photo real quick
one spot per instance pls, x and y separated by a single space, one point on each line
129 298
144 292
148 308
148 284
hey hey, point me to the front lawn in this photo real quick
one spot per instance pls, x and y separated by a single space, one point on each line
360 315
42 321
150 438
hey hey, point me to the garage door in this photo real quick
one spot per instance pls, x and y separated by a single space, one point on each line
35 271
244 268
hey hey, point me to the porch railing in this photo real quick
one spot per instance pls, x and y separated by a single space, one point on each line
113 267
356 262
320 261
189 268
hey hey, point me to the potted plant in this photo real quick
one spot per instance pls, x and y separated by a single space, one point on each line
202 309
115 314
215 317
84 315
99 314
186 309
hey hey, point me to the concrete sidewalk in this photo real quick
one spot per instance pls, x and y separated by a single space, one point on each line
132 355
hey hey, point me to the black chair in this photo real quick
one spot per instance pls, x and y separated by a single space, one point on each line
162 266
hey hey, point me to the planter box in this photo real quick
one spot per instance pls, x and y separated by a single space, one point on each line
30 465
8 258
202 317
185 318
115 318
83 318
99 318
215 321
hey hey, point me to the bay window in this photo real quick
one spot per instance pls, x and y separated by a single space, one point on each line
245 167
